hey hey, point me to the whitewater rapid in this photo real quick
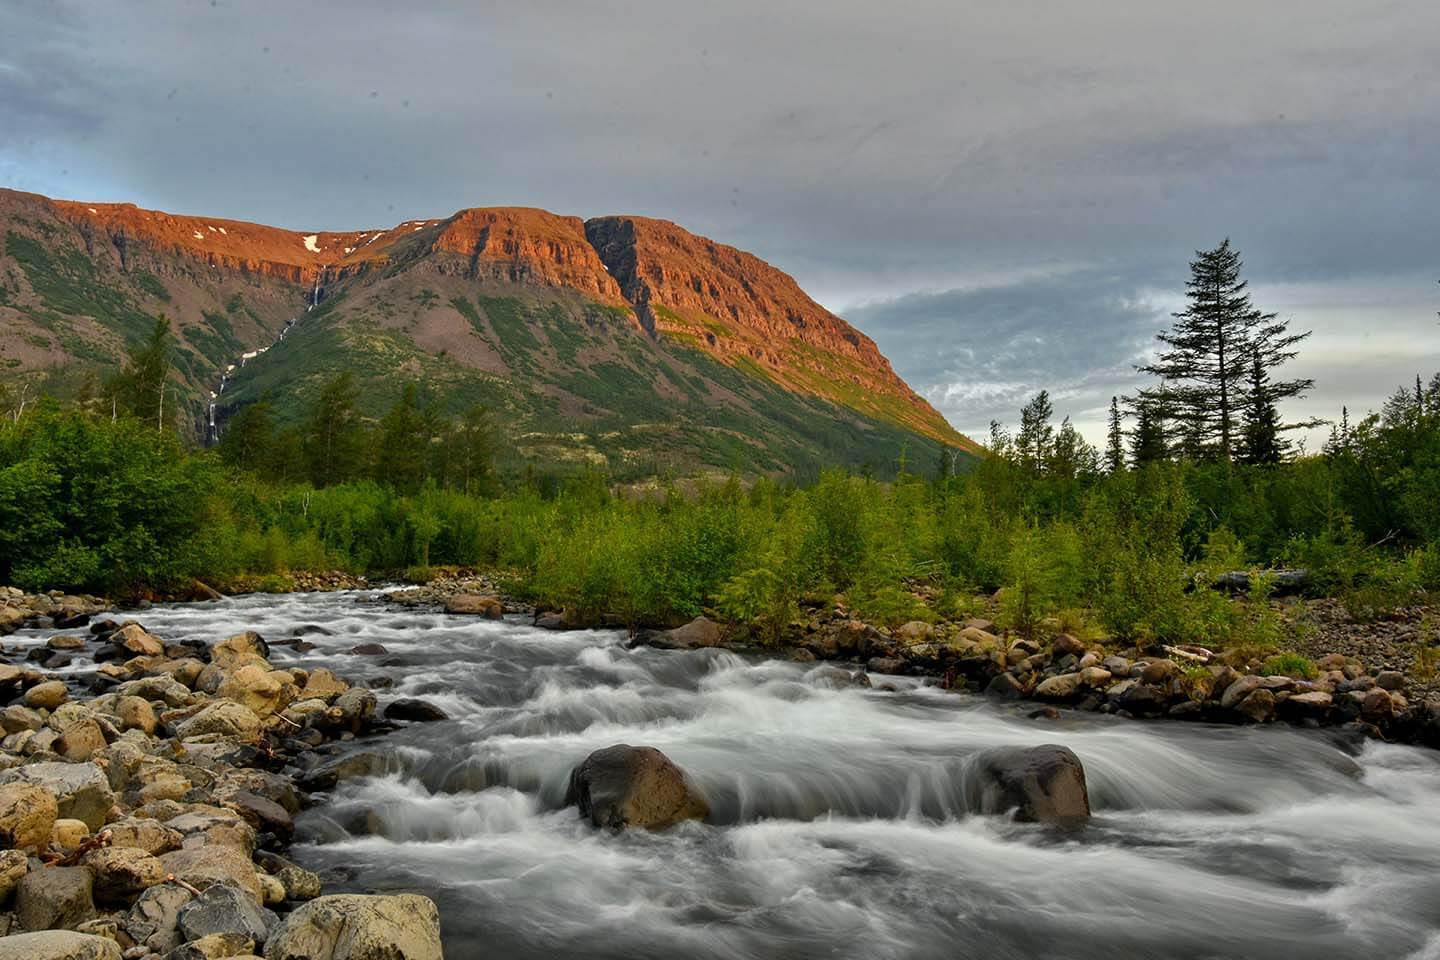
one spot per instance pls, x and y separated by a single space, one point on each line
838 826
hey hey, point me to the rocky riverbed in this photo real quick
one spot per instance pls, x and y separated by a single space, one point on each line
309 760
148 789
1060 671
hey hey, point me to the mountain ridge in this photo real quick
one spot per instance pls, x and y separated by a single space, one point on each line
684 292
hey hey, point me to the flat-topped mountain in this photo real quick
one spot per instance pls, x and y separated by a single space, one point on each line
623 341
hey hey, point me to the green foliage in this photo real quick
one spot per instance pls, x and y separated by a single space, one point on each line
98 504
148 283
1290 665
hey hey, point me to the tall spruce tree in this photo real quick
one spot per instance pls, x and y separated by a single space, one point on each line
1261 437
404 442
1032 442
1115 440
139 389
1149 444
1209 354
334 435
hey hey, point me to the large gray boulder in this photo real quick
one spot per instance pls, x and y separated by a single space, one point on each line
222 908
81 790
624 786
1044 784
354 927
58 945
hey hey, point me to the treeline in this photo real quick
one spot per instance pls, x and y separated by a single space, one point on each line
91 502
412 445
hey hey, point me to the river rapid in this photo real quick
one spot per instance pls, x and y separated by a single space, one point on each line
838 823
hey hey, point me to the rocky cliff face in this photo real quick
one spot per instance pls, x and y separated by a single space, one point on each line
524 245
500 290
734 305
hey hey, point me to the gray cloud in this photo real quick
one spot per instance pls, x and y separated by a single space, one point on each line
939 145
979 354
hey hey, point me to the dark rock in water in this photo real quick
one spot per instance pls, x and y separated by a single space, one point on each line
1044 713
304 646
309 628
356 765
1005 685
369 650
624 786
418 711
837 678
66 621
1145 700
222 908
885 665
263 814
1044 784
551 620
104 626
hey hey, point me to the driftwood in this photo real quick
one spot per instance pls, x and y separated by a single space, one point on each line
1282 582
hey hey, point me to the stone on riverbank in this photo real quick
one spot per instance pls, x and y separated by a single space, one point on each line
1044 784
55 898
27 814
700 632
81 790
624 786
355 927
58 945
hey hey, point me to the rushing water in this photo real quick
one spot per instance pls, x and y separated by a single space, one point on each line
838 825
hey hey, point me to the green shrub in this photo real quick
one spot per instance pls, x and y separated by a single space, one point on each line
1290 665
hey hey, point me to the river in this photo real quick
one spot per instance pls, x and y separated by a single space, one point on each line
838 828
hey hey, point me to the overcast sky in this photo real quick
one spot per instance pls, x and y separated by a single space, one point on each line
1004 194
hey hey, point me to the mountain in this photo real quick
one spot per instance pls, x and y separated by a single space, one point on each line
620 341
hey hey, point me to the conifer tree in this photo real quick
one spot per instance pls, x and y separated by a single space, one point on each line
1209 356
1115 440
334 436
1148 443
139 389
1032 443
404 442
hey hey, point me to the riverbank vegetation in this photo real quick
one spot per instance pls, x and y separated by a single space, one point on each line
1124 542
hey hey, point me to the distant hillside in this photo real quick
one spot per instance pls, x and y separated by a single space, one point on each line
622 341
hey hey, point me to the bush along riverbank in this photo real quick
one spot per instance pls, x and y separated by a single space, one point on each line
146 807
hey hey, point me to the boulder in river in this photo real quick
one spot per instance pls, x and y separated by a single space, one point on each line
700 632
473 604
416 711
624 786
1044 784
355 927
